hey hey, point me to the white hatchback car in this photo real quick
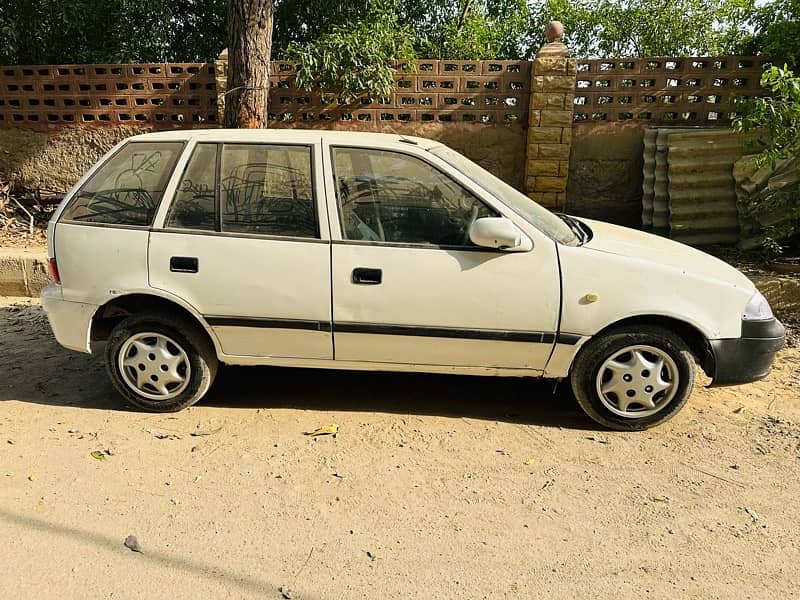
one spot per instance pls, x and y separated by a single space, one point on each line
378 252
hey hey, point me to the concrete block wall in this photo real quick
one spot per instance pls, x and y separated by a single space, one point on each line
22 272
550 127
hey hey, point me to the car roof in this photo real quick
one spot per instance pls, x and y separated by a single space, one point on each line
284 135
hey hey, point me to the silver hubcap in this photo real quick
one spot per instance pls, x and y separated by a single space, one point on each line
154 366
637 381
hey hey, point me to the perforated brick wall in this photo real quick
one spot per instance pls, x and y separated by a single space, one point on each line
490 92
696 91
161 95
665 91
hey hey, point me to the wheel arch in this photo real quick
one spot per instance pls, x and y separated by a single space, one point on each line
108 315
695 339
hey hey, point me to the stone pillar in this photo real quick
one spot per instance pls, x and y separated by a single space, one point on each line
553 82
221 81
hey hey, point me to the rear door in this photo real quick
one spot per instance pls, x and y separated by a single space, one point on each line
245 243
408 284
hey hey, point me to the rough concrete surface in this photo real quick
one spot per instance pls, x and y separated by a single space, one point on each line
782 291
497 148
605 172
23 272
55 160
435 487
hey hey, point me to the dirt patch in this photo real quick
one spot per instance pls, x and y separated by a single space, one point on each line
434 486
792 332
24 217
778 431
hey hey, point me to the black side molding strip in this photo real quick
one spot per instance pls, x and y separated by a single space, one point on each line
501 335
569 339
216 321
447 332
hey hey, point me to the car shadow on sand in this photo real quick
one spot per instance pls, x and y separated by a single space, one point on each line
505 399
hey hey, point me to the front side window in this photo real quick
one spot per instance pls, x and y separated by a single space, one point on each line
389 196
127 189
267 189
541 218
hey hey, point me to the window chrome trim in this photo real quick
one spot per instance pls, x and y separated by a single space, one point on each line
235 234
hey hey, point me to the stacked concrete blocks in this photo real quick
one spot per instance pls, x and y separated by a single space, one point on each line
550 128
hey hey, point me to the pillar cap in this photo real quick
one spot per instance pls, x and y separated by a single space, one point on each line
554 45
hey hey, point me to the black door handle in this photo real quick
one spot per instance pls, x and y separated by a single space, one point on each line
183 264
365 276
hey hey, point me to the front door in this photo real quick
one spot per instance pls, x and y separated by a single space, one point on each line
408 284
242 244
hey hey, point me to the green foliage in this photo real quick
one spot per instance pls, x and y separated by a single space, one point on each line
777 116
65 31
299 22
777 119
111 31
776 32
353 56
355 59
628 28
475 30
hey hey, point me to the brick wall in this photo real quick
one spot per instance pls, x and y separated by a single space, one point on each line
561 132
665 91
159 95
480 92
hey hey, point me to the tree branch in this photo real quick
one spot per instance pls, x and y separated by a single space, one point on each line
463 17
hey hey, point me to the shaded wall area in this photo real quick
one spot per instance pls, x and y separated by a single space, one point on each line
605 172
499 149
56 159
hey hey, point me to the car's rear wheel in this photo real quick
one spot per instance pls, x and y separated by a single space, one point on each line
160 362
633 378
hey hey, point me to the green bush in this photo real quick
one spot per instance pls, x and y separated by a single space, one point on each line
355 59
775 121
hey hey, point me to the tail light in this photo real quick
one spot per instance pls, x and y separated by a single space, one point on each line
53 269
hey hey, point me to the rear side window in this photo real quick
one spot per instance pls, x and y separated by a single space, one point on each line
267 189
193 206
127 189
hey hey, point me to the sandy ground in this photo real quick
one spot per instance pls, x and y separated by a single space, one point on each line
435 487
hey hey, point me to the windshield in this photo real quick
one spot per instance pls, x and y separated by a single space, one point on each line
538 216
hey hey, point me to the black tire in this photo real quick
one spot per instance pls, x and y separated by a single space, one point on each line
202 358
590 359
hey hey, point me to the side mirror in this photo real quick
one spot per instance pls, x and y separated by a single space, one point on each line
500 233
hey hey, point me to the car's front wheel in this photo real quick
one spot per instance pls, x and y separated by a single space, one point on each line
633 378
160 362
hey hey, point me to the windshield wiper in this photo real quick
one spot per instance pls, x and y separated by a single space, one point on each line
576 227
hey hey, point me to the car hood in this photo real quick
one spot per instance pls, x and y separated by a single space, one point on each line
643 246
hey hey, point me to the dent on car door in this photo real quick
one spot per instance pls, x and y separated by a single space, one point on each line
408 284
242 243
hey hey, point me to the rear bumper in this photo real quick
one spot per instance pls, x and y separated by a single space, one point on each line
750 357
71 322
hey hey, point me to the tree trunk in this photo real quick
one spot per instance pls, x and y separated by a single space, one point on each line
249 49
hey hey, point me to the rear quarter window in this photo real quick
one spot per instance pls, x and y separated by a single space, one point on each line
127 188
